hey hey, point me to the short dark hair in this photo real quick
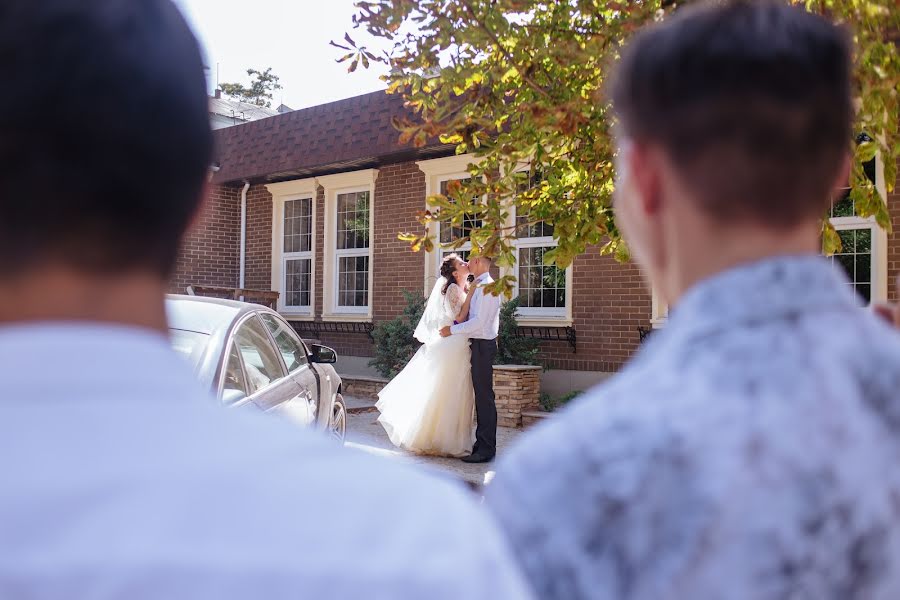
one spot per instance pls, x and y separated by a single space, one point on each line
750 99
104 134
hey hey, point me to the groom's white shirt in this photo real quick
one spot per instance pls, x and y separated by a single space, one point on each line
484 313
122 479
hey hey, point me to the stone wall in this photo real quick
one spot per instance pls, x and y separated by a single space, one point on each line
517 389
362 387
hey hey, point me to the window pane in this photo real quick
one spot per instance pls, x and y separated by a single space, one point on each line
863 268
450 233
291 350
540 285
353 281
234 375
298 225
189 344
298 282
260 361
353 220
843 205
855 259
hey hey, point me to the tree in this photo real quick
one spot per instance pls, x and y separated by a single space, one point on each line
262 84
519 83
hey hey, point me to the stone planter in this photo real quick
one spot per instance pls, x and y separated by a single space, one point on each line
359 386
517 389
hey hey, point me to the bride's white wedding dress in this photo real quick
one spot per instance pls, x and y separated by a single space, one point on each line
428 408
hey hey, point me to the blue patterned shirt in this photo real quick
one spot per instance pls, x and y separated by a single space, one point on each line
751 451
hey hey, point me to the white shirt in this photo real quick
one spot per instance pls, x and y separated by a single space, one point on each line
121 478
749 452
484 313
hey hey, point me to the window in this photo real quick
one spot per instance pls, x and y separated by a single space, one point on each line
291 349
448 233
260 361
862 242
297 253
189 344
294 245
235 385
353 250
348 245
543 290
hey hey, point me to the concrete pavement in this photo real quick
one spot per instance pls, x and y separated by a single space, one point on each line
364 433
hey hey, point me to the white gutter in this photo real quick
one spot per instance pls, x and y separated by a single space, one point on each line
243 258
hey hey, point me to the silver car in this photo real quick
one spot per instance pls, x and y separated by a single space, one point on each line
251 357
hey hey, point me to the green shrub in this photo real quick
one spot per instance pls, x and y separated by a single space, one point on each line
394 341
549 403
395 344
514 350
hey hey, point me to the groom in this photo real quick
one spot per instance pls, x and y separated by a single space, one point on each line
482 328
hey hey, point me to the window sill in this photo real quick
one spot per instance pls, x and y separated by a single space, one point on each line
348 317
296 315
659 323
534 321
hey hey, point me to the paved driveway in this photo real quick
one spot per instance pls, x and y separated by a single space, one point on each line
364 433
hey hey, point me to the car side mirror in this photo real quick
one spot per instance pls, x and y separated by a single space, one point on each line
323 355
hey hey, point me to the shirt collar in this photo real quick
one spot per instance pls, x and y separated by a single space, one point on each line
482 277
763 291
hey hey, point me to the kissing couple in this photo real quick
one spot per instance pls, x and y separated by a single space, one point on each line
427 407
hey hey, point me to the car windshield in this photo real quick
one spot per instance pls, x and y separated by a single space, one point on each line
189 344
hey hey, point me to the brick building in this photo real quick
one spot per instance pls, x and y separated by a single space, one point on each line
324 193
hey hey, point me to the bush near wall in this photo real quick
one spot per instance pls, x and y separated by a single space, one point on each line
395 344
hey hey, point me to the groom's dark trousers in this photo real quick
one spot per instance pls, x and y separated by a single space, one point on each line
483 353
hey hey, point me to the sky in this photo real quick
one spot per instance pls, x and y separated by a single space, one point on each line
289 36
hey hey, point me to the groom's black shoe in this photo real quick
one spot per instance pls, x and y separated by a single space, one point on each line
478 457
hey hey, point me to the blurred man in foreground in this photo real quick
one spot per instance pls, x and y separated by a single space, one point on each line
750 450
119 478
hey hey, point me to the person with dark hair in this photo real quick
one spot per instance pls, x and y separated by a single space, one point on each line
120 477
427 407
482 329
749 450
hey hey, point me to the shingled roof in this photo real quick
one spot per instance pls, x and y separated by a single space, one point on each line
351 133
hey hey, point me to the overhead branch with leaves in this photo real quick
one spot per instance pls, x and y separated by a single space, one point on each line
519 84
262 85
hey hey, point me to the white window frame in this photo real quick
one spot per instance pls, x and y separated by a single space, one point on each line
340 253
538 316
297 189
438 170
467 247
334 185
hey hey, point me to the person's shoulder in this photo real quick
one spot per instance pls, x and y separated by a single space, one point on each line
614 424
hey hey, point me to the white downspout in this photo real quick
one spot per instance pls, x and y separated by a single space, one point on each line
243 258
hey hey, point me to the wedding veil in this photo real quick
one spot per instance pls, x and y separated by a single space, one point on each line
434 317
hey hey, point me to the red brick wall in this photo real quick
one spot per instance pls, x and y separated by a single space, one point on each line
209 251
258 269
399 196
894 242
610 300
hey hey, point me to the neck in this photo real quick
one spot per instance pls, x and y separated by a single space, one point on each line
699 257
61 294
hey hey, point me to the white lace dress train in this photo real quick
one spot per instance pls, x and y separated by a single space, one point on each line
428 408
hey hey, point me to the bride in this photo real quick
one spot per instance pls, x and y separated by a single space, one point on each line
428 407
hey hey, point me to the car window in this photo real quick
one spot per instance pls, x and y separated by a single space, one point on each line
189 344
235 386
260 361
290 347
